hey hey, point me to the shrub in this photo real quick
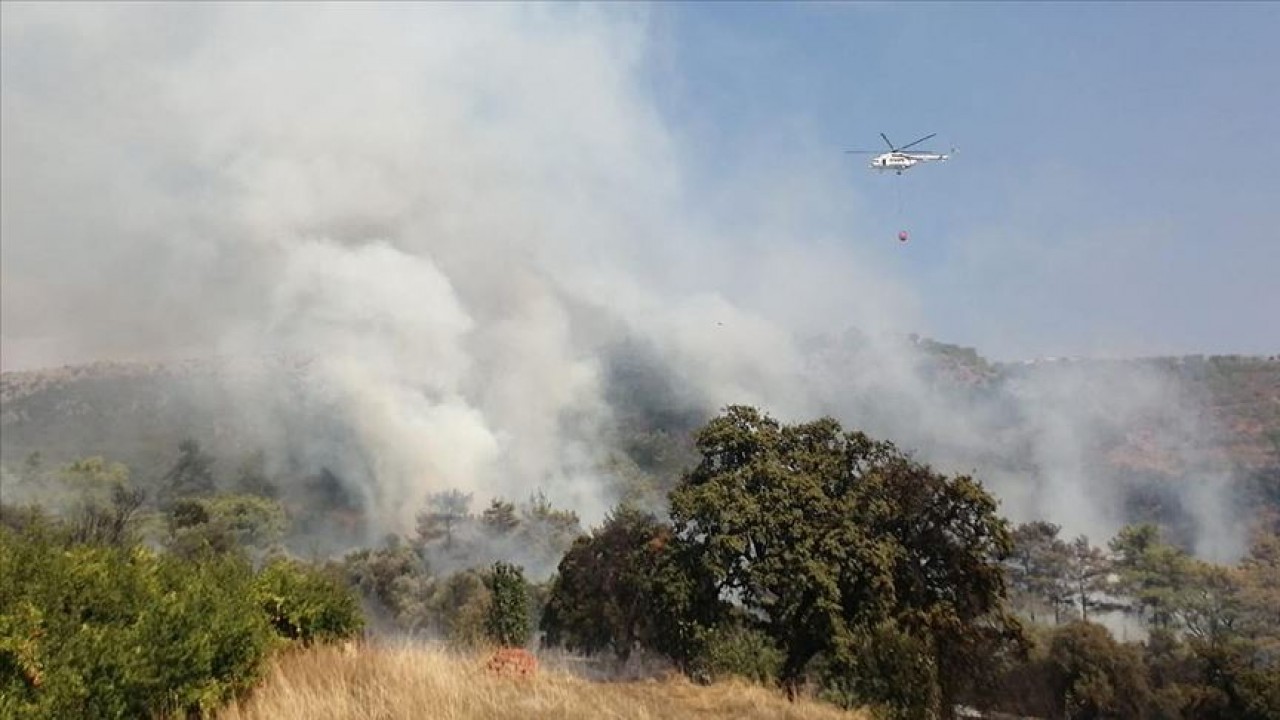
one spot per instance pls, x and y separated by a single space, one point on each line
459 605
886 670
742 652
1094 676
507 622
307 603
97 631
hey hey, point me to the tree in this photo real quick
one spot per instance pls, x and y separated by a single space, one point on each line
107 505
1094 677
111 524
445 510
499 519
191 475
460 606
194 534
1246 685
626 587
1151 572
557 527
307 603
1037 569
545 531
1260 592
818 533
508 617
1086 575
255 521
94 478
392 576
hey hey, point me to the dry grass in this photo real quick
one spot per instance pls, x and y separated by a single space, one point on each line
414 682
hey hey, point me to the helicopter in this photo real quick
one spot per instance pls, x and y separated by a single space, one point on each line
898 160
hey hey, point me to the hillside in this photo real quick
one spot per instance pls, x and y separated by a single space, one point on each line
373 682
1196 417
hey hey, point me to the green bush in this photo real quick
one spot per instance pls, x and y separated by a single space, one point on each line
742 652
306 603
507 622
1095 677
459 606
885 670
97 631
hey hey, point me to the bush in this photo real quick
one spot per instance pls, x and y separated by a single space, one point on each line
508 618
96 631
306 603
885 670
1094 676
459 606
742 652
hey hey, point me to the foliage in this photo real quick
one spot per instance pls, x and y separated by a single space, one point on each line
1259 593
223 524
459 606
1151 572
1242 686
625 587
735 650
108 523
1086 575
445 511
499 519
1037 569
94 476
191 474
254 521
887 670
547 531
818 533
1094 677
390 577
108 631
305 603
508 618
193 534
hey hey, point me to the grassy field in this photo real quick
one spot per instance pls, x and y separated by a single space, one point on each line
415 682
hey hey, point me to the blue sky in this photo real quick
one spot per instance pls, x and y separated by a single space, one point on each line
1117 190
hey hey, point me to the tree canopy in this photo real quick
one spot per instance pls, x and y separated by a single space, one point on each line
822 535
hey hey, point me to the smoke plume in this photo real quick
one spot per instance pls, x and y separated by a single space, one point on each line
456 219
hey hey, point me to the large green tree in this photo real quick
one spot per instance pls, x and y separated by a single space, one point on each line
823 535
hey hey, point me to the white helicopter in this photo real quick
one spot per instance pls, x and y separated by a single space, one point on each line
896 159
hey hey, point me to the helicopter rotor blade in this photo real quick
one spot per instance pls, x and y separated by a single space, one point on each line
886 142
863 152
917 142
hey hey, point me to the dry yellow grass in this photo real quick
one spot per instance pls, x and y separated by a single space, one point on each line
421 683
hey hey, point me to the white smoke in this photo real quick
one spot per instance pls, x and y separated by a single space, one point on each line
454 212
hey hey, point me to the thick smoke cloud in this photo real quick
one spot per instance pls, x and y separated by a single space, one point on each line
456 215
